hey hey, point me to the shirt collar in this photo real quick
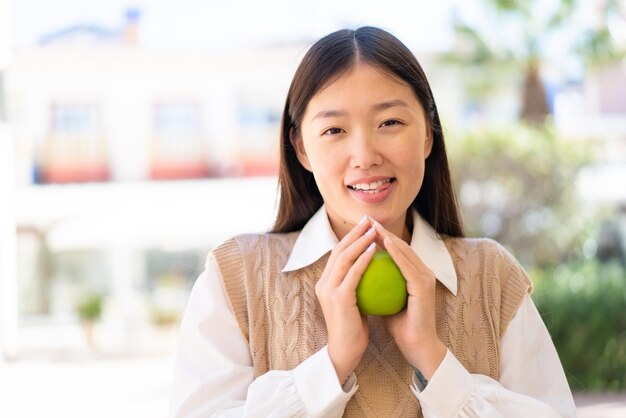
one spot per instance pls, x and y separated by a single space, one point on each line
317 238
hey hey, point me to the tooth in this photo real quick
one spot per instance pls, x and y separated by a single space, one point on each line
364 186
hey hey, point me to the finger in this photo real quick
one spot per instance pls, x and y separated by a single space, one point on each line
346 259
403 255
389 236
352 278
401 260
401 246
381 231
357 231
408 262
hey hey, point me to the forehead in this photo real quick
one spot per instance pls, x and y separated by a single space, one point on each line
360 86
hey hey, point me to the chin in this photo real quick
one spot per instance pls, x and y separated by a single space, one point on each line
387 218
381 216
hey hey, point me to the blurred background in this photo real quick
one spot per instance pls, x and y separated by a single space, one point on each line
137 135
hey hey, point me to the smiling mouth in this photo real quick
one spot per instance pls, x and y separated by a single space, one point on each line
371 188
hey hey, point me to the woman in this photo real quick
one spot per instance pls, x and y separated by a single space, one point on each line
272 326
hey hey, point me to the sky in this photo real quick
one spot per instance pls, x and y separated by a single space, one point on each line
205 24
217 25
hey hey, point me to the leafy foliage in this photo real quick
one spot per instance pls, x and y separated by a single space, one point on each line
516 184
517 40
598 47
584 307
89 308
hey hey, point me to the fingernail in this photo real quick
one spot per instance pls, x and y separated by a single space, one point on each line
371 247
363 219
370 231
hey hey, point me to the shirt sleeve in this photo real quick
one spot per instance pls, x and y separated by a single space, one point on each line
214 376
532 381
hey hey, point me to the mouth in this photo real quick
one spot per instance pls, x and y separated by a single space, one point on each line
372 187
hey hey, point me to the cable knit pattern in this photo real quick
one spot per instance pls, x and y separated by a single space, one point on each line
280 317
314 328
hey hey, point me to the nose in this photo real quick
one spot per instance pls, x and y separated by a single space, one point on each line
364 151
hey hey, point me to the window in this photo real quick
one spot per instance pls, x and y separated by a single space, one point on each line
259 129
178 149
74 149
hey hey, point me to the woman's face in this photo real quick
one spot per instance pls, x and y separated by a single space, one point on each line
364 138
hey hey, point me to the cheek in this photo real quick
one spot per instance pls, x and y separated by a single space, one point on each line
326 173
409 159
415 169
323 164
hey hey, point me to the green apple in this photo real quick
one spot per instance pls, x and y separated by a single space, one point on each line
382 289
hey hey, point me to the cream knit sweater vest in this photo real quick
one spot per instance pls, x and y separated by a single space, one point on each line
280 317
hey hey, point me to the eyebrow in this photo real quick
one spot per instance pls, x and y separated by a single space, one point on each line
377 107
391 103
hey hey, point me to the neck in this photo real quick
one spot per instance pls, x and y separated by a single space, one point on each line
401 227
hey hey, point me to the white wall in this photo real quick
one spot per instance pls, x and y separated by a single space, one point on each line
8 276
127 82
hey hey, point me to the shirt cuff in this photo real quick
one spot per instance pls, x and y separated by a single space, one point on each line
318 385
448 389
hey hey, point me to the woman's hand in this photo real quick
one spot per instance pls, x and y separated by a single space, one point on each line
414 328
336 291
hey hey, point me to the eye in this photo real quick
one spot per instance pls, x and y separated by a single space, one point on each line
391 122
332 131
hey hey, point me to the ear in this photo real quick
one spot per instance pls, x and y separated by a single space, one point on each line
298 145
428 143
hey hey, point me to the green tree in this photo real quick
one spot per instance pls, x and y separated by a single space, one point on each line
517 185
598 46
488 62
583 305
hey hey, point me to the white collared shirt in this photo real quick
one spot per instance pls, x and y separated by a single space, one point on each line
214 376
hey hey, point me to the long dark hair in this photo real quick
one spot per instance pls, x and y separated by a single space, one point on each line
326 60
